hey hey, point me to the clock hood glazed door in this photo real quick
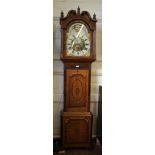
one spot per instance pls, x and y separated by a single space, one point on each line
78 40
78 36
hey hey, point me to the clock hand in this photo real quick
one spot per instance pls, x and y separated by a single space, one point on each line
80 30
77 34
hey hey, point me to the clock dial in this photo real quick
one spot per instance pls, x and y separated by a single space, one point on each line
78 40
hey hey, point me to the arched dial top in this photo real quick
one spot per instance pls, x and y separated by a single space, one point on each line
78 40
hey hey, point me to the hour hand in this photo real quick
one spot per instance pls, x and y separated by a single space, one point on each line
74 36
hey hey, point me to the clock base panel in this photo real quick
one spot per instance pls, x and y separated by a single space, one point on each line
76 129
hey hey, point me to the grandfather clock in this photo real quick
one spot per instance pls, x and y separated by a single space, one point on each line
78 51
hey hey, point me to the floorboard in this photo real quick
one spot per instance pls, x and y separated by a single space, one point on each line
96 150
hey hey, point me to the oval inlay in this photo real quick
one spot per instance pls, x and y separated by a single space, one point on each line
77 89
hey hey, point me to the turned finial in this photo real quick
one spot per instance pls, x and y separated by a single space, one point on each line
78 10
94 16
62 14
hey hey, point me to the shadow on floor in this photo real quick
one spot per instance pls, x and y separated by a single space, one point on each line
96 150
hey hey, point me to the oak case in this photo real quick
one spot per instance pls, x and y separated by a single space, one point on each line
76 119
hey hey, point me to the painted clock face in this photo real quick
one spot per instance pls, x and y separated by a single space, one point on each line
78 40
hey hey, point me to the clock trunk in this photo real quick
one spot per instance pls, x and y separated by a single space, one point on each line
77 88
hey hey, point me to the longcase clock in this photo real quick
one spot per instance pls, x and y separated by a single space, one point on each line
78 51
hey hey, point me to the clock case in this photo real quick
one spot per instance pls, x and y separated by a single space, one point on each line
76 119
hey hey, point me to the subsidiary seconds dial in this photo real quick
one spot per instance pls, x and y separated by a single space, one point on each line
78 40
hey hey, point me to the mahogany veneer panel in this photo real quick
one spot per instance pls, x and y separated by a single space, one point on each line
77 89
76 129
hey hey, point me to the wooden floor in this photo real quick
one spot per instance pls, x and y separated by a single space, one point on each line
97 150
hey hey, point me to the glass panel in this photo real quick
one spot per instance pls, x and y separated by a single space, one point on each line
78 40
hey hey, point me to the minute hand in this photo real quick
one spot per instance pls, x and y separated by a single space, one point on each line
77 34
